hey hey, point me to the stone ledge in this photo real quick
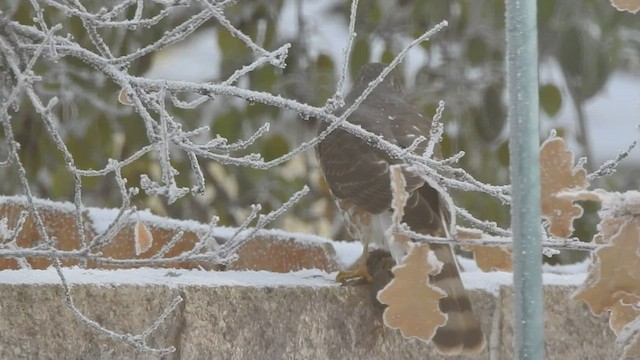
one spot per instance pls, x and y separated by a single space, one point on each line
308 319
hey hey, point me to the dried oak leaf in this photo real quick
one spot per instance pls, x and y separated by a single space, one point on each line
400 196
615 209
624 311
399 200
488 258
142 238
612 283
631 6
615 270
628 340
557 174
413 304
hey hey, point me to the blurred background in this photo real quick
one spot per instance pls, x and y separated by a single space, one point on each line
589 93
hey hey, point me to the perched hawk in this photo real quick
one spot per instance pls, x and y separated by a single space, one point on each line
358 177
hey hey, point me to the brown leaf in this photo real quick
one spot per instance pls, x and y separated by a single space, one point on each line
608 226
615 209
142 238
615 270
631 6
488 258
399 200
624 311
557 173
628 340
413 304
398 184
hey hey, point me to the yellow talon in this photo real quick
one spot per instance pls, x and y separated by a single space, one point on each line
361 272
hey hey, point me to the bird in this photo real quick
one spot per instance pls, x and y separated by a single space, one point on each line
358 177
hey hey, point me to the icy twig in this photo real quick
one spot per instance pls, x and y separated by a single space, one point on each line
168 246
609 166
275 60
337 101
437 129
571 244
103 19
137 341
277 56
229 248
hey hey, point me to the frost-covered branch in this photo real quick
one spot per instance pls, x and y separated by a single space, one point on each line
487 240
609 166
337 100
137 341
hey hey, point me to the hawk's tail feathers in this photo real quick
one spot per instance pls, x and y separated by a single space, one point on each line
462 333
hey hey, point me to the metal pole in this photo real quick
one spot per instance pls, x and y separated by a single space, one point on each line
522 84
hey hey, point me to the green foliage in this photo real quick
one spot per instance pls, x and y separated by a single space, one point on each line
325 81
476 50
274 146
360 55
235 52
585 64
550 99
503 154
228 125
491 116
545 11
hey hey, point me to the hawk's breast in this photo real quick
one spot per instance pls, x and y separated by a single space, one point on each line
362 224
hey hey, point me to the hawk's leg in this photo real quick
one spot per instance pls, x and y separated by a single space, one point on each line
360 272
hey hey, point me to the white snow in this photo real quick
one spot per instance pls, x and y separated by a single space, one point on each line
169 277
576 268
60 206
490 282
560 275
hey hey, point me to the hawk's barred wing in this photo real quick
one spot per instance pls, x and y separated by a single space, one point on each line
357 171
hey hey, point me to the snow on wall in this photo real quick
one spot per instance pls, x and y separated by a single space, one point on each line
490 282
171 278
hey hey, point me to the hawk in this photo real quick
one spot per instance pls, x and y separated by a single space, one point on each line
357 174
